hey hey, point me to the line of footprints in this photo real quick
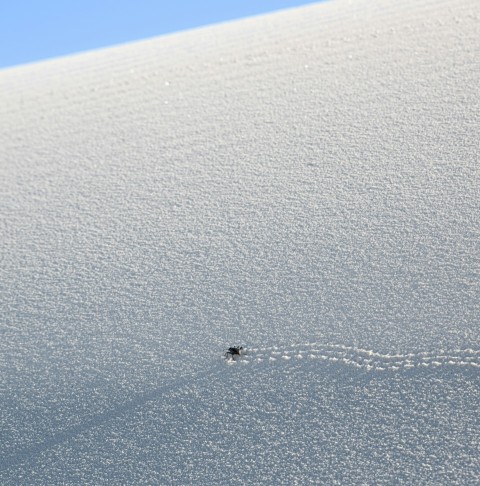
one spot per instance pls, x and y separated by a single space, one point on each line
357 357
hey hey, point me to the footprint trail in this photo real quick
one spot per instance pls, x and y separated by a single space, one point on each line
364 359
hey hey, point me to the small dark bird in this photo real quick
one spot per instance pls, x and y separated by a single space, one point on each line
233 351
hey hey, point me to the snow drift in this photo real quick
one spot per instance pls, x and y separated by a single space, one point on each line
304 184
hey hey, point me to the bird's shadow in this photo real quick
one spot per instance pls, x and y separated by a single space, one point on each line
31 453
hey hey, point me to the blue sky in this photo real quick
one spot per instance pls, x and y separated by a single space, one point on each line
33 30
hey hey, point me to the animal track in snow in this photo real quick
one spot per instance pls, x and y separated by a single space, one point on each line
364 359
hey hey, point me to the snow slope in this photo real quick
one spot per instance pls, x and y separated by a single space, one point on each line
305 184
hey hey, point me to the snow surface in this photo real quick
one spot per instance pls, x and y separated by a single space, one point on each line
305 184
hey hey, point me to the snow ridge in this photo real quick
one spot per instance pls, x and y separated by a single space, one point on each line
364 359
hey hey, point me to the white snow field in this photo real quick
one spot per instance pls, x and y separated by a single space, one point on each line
305 184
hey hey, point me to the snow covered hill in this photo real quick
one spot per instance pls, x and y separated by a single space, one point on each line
305 184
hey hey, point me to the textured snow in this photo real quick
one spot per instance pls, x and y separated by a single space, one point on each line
305 184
